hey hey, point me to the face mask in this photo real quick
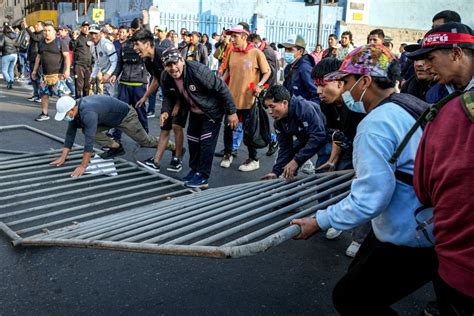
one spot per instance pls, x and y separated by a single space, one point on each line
355 106
68 119
289 57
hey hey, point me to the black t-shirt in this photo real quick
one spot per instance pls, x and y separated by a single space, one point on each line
52 59
82 52
155 66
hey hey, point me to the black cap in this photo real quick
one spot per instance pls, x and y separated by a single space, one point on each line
85 23
186 33
170 55
448 35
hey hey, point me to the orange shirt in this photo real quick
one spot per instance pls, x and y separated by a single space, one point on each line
245 68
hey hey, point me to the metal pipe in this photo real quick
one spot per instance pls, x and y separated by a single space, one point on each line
100 212
63 178
76 184
73 201
13 152
224 212
261 209
266 217
172 210
175 216
32 161
94 188
256 234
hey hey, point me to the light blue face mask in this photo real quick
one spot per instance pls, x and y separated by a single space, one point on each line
67 118
355 106
289 57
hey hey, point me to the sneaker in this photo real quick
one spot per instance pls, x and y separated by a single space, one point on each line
352 250
197 182
308 167
272 148
222 153
150 164
42 117
173 152
38 100
431 309
189 176
150 114
32 99
175 165
112 152
249 165
226 161
333 233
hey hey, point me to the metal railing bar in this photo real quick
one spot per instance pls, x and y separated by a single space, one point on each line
259 210
266 217
133 222
75 184
13 152
191 223
64 177
73 201
94 188
268 229
49 153
184 217
127 218
130 204
32 161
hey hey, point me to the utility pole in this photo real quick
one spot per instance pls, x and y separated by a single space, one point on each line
320 23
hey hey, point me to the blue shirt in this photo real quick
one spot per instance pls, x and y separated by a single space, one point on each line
375 193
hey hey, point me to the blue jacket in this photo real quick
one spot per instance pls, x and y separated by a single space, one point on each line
376 195
298 78
306 123
436 93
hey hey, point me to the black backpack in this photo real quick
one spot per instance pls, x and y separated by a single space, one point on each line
257 132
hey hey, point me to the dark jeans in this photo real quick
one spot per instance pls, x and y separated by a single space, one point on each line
452 302
228 135
35 83
82 74
202 139
131 95
380 275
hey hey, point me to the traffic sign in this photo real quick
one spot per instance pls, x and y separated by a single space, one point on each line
98 15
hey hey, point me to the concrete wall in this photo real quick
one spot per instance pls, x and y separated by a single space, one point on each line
416 14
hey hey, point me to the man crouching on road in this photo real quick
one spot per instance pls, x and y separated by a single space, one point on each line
294 117
96 114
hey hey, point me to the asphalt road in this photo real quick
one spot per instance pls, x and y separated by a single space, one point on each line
294 278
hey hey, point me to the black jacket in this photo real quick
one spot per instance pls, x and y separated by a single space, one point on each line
10 46
200 54
35 39
82 52
207 91
130 65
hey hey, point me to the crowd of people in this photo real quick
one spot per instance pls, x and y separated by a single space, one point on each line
337 108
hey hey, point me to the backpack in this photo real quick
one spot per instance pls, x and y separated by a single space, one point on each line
257 132
2 41
422 118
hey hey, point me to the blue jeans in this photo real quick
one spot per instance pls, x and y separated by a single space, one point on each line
8 65
23 64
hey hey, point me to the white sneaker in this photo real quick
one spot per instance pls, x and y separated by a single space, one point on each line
307 167
352 250
333 233
249 165
227 161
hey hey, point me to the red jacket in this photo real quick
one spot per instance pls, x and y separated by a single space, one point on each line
444 178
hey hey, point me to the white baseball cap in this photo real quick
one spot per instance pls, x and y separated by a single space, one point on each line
64 105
